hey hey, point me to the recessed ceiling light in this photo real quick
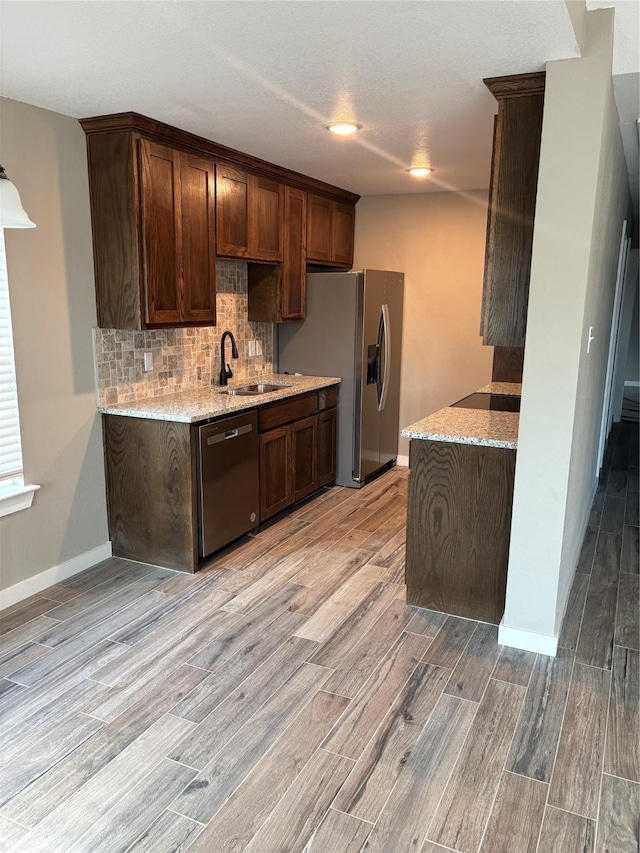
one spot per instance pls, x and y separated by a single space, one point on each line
343 128
420 171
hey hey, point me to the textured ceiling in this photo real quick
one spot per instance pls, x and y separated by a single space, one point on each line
264 76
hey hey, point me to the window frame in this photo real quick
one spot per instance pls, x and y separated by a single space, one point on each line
14 494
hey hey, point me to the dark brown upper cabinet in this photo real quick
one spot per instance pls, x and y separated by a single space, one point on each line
277 294
249 212
330 226
177 223
344 220
512 201
152 212
158 212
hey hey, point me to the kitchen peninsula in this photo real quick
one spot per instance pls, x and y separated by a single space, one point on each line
462 464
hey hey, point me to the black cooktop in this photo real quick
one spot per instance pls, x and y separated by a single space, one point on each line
490 402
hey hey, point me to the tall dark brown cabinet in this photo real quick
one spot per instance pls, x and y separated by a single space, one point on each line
153 213
512 199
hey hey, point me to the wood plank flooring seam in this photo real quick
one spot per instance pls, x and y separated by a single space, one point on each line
334 693
522 693
17 822
490 813
604 736
577 814
454 764
584 604
333 808
564 711
173 811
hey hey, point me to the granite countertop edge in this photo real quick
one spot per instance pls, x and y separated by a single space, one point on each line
485 441
203 404
471 426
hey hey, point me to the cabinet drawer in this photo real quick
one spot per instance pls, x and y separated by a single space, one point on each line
327 399
287 411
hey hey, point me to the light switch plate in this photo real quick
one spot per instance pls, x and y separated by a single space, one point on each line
258 347
148 362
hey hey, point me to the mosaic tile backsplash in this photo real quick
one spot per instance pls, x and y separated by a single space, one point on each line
184 359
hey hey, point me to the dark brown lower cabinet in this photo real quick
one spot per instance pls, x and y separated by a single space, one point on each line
152 482
304 457
458 528
327 447
275 480
152 491
297 454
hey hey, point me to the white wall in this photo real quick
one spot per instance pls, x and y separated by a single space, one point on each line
438 241
53 307
582 200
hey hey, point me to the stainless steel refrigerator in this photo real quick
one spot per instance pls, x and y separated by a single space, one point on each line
353 329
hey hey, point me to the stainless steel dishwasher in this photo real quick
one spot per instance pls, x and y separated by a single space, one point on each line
228 477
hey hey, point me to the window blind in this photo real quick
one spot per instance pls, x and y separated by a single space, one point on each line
10 447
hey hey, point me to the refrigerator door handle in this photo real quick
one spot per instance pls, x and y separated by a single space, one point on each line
385 333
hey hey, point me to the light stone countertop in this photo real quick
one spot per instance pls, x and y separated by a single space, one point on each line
472 426
205 403
513 389
467 426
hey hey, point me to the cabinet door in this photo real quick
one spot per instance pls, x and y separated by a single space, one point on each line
198 239
160 214
319 228
266 203
514 179
232 209
292 302
327 447
343 225
304 454
275 471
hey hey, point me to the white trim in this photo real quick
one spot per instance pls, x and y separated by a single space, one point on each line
16 499
32 585
402 461
529 641
631 383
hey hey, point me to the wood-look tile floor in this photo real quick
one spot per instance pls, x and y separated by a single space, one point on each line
286 699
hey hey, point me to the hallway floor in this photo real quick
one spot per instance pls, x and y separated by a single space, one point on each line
287 699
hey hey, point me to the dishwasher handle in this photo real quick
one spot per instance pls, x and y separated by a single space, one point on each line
231 433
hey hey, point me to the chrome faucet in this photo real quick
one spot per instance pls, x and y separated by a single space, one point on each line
225 370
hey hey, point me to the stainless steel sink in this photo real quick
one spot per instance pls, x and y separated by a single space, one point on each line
253 390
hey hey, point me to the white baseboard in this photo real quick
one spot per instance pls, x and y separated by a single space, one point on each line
30 586
402 461
631 383
529 641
